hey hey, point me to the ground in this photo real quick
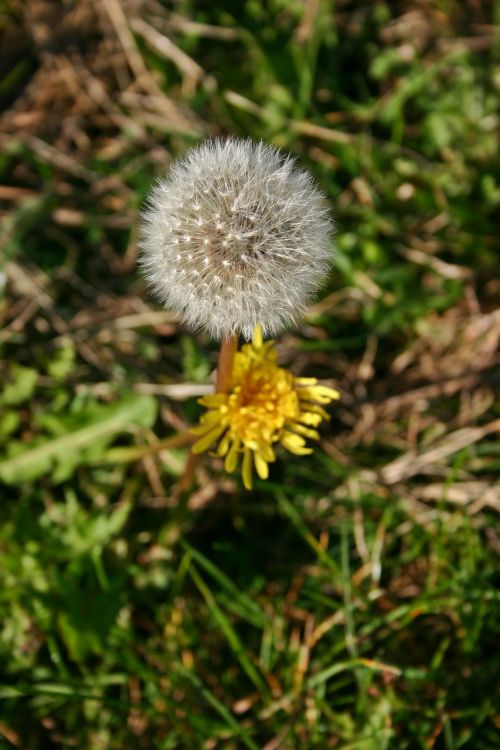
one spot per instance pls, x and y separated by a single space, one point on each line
348 601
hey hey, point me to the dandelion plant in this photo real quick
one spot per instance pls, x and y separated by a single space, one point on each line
236 239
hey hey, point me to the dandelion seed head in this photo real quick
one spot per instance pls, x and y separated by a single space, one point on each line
249 230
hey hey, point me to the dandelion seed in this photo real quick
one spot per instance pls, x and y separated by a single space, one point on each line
265 405
258 217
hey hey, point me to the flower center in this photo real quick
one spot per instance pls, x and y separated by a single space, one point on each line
259 406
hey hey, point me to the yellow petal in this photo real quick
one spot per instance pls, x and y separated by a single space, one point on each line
232 457
266 452
261 465
295 444
246 469
206 424
206 441
305 381
320 393
306 431
269 352
224 445
213 400
311 419
257 337
313 409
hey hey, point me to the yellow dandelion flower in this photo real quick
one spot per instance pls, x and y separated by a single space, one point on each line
265 404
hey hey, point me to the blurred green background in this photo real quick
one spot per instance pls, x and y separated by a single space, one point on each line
348 602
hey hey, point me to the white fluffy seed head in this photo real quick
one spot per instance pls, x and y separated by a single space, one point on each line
236 235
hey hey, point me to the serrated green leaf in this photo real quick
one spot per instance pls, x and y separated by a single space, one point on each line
9 422
71 449
22 382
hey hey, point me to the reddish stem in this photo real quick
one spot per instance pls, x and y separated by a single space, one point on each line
227 351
